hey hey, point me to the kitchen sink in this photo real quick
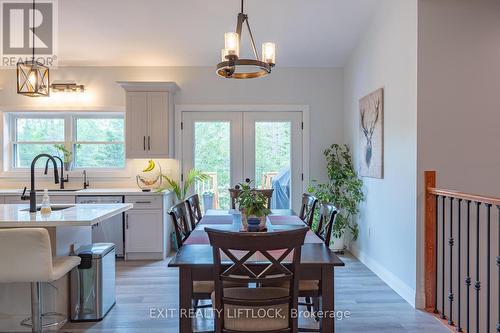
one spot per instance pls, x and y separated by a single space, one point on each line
54 208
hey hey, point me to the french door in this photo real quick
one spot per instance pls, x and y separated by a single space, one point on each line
232 146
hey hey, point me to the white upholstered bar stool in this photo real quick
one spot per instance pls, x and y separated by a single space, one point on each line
26 255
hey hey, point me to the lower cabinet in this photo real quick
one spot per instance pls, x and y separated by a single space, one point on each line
143 231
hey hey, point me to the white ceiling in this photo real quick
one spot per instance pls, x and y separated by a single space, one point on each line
308 33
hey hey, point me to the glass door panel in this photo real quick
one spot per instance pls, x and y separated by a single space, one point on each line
212 156
212 144
273 160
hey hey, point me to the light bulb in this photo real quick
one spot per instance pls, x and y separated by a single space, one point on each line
232 43
33 78
269 53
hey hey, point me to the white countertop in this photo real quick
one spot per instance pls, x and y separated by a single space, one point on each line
16 216
89 191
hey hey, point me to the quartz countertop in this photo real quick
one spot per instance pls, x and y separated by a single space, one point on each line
16 216
88 191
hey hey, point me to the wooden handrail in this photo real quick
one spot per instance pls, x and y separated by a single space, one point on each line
464 196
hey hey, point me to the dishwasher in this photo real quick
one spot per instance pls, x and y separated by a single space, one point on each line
110 231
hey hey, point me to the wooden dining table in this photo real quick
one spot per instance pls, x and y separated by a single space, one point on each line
195 261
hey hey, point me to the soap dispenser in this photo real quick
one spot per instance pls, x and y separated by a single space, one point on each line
46 209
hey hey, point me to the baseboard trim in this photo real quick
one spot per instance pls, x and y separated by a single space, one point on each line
401 288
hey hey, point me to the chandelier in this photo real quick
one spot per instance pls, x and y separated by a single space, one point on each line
234 67
32 76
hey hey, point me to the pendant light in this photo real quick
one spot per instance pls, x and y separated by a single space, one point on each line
33 76
234 67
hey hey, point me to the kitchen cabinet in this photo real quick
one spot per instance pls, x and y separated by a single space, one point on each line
143 231
149 119
148 227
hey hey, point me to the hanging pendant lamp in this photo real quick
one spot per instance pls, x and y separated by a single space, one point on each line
33 76
234 67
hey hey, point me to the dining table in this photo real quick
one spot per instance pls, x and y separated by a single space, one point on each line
195 261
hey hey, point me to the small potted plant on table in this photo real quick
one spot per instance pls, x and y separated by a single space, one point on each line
252 205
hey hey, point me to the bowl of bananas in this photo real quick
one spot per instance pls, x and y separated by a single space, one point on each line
150 177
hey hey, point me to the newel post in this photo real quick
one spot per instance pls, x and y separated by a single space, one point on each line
430 241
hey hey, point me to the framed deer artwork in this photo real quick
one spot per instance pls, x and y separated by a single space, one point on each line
371 134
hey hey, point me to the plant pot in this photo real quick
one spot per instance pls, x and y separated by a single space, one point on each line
246 221
338 244
68 166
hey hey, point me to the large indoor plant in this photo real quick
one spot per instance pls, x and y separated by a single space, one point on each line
252 204
343 189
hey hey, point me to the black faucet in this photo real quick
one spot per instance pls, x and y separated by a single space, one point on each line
32 190
62 180
85 180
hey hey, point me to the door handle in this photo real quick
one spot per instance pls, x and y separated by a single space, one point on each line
144 142
149 142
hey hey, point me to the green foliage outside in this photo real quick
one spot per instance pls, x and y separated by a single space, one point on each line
344 189
212 152
86 155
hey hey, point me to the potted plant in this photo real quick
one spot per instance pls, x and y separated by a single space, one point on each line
181 191
344 190
252 205
67 156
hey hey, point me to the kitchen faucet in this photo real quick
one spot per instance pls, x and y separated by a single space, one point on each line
85 180
62 180
32 190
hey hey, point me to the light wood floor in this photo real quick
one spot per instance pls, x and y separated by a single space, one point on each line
142 286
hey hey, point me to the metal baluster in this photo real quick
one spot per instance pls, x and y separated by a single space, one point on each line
436 254
443 315
498 265
477 285
488 258
459 307
468 279
450 243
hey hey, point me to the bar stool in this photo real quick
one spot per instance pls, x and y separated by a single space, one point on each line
28 255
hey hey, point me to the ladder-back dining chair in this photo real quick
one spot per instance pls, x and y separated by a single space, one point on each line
283 251
307 208
235 193
194 210
179 219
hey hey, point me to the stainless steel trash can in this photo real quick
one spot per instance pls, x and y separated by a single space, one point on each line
93 282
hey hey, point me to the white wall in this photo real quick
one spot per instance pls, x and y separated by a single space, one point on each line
386 56
320 88
458 98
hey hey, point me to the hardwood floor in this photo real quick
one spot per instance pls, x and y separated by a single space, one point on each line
151 286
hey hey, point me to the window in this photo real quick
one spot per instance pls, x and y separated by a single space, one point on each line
96 140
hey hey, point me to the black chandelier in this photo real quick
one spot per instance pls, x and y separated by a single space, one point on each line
234 67
33 76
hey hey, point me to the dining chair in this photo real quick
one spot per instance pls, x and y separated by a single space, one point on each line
202 290
307 209
179 219
194 210
235 193
237 306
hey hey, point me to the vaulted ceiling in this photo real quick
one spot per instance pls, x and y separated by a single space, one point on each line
308 33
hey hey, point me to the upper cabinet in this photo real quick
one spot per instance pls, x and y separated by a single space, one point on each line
149 119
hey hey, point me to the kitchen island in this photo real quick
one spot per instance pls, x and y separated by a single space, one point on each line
69 227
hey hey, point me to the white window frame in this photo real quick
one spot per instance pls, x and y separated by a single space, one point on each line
9 135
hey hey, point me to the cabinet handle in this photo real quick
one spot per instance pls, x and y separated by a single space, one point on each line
149 142
144 142
126 221
143 202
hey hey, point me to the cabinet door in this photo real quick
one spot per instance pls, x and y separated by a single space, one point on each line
136 125
143 231
157 143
